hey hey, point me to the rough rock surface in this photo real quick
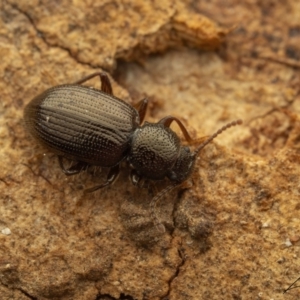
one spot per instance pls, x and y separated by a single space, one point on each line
233 230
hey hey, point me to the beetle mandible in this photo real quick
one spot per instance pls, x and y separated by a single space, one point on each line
93 127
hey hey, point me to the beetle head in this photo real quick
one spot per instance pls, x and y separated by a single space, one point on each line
183 166
185 162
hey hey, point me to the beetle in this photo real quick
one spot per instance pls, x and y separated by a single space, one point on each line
93 127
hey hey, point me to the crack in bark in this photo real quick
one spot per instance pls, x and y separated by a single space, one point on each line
37 174
280 60
41 35
175 275
179 32
275 109
25 293
107 296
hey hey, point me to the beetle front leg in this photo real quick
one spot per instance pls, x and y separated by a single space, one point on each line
167 122
111 177
74 169
135 178
105 82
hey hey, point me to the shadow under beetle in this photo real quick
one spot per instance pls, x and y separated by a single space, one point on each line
93 127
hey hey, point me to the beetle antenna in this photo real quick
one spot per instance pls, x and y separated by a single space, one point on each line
153 205
231 124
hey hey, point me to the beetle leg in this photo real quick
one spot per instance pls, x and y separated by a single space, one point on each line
166 121
74 169
105 82
111 177
142 109
136 179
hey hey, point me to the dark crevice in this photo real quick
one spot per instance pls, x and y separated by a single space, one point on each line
175 275
20 290
293 63
27 294
41 35
109 297
275 109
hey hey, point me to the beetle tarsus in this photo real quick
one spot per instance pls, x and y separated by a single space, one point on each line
111 178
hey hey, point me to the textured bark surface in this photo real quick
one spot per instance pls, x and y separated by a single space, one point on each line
233 231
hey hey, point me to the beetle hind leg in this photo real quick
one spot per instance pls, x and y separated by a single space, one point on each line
111 178
77 168
105 82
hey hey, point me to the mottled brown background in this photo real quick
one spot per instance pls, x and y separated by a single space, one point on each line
234 231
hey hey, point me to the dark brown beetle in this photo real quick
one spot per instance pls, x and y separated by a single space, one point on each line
93 127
